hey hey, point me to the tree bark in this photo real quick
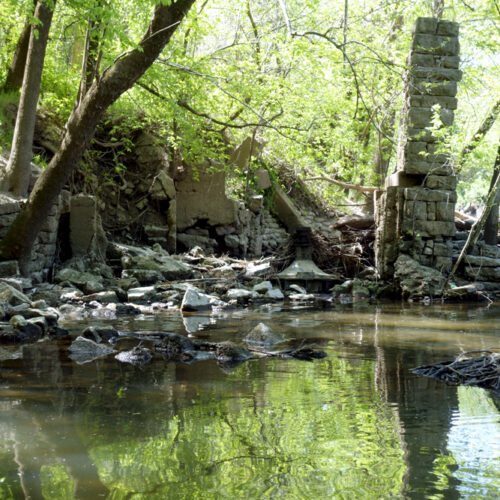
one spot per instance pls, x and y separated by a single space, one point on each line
15 73
18 170
80 127
491 224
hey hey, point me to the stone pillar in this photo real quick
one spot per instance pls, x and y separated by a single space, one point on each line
415 214
87 237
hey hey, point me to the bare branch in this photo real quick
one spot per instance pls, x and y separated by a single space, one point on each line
345 185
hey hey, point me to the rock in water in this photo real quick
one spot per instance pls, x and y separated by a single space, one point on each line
228 351
263 335
85 350
174 345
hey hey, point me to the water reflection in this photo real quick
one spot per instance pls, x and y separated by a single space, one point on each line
357 424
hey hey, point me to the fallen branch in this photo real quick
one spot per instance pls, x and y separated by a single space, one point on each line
345 185
474 232
482 371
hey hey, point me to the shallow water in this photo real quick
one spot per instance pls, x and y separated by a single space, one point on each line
356 424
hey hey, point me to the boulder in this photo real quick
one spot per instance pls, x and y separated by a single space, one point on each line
274 294
25 330
262 287
141 294
85 281
166 267
416 280
241 294
195 300
229 351
174 345
100 334
85 350
263 335
11 296
106 297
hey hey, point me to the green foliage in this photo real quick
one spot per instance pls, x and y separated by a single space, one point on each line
324 95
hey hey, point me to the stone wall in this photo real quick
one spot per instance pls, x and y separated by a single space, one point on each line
45 247
415 213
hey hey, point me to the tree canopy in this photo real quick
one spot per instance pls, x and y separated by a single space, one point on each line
319 82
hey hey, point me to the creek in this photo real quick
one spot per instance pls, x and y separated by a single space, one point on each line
356 424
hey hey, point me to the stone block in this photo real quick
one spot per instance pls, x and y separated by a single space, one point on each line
203 197
434 228
423 167
420 135
443 182
429 229
423 194
416 147
481 261
442 263
447 28
443 249
440 89
86 233
263 179
428 101
435 44
400 179
432 159
431 210
426 25
256 204
9 268
483 273
50 225
286 211
163 187
435 74
423 117
415 210
431 60
8 205
445 211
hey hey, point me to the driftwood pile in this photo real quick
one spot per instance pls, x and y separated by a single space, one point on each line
476 368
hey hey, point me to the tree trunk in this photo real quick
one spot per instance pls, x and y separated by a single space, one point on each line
18 170
80 127
491 224
15 73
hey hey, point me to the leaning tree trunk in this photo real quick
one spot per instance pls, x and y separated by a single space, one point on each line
80 127
15 73
491 224
18 171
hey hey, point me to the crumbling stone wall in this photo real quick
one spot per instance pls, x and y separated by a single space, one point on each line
45 246
415 213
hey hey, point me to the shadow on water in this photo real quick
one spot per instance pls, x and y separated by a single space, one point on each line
357 424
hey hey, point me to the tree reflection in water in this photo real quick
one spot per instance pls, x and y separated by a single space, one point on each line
354 425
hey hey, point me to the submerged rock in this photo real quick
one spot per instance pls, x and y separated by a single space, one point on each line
229 351
263 335
85 350
174 345
137 356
